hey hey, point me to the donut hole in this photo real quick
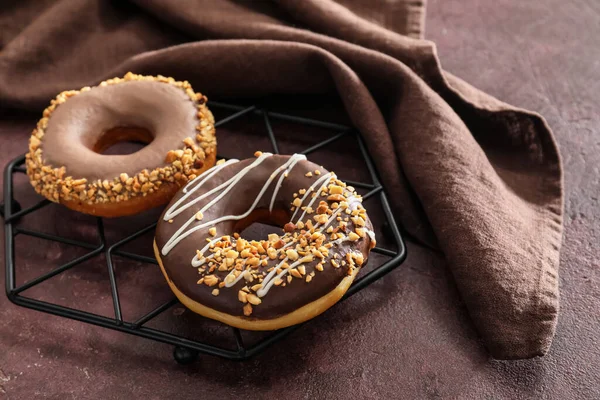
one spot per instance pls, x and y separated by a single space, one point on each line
122 140
260 223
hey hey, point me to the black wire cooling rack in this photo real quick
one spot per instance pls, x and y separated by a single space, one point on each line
185 350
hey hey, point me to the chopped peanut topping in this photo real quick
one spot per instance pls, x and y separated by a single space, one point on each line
335 189
210 280
359 258
306 259
253 261
295 273
336 197
358 221
292 254
242 296
232 254
241 244
353 236
57 184
253 299
321 218
246 252
289 227
272 253
308 239
322 209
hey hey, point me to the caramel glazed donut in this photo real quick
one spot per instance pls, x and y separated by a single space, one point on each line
64 163
267 284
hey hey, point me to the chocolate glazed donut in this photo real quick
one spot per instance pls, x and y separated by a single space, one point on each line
269 284
65 163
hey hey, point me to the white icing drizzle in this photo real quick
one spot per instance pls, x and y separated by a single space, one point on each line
175 209
351 200
267 277
269 280
210 171
181 233
331 219
308 191
280 181
236 280
371 234
196 262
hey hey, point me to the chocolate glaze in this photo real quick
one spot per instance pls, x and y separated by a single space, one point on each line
279 300
76 126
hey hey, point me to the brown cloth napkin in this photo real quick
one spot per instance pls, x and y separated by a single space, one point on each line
477 178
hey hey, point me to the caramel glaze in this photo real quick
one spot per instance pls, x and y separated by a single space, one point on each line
279 300
77 129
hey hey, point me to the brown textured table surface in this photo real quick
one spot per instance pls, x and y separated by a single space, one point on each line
407 336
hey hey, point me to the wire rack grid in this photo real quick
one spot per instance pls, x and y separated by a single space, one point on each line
185 350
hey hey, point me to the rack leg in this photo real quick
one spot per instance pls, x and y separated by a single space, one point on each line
15 207
184 355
